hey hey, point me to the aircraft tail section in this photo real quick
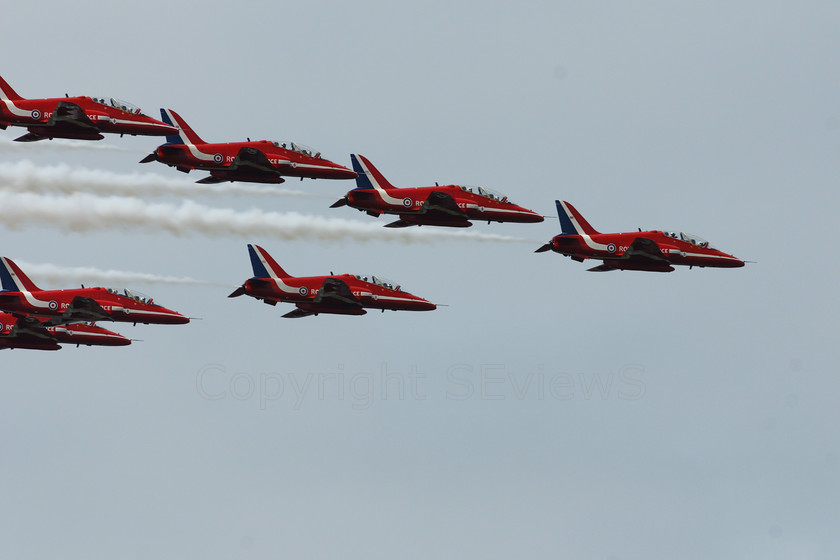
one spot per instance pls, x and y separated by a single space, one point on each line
7 91
571 222
186 135
369 177
13 278
264 266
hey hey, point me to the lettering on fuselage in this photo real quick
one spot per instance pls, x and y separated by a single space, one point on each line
272 161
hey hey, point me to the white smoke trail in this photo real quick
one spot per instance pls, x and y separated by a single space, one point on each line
65 276
9 145
81 212
25 176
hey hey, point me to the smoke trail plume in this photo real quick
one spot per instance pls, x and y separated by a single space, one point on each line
64 276
9 145
82 212
25 176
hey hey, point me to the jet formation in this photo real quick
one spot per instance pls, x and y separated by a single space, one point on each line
45 319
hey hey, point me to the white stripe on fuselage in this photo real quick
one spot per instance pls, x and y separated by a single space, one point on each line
31 300
199 154
15 110
282 286
383 194
583 235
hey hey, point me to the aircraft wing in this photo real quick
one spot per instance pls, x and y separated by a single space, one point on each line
70 115
441 203
644 249
29 328
81 309
642 254
251 160
298 313
335 292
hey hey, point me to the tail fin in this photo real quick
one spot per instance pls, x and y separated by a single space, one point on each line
369 176
13 278
186 136
571 222
264 266
7 91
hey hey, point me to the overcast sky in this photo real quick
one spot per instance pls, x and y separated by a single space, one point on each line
545 411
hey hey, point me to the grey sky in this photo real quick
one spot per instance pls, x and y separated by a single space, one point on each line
547 411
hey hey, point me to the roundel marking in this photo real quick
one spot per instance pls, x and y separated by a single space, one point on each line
302 290
53 305
218 158
36 114
407 202
611 247
481 208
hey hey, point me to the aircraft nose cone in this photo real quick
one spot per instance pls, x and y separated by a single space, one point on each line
344 173
534 218
119 340
169 130
175 318
425 305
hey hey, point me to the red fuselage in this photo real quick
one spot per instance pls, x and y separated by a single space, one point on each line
303 292
94 304
270 161
408 204
613 248
108 117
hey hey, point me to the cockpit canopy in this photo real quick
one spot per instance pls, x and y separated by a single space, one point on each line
118 104
136 296
689 238
379 281
487 193
299 148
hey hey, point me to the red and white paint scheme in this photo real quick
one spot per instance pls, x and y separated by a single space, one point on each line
448 205
21 295
25 331
81 118
654 251
342 294
262 161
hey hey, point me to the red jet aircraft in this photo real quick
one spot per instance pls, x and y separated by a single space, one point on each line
21 295
343 294
23 331
256 162
654 251
82 118
449 205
